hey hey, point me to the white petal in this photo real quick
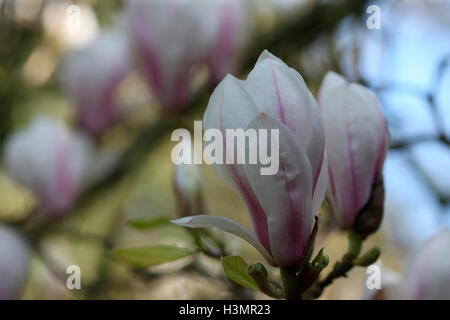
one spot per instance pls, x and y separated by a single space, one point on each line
227 101
316 144
285 196
231 107
281 93
356 140
331 81
227 225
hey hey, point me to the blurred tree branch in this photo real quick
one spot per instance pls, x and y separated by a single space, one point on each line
303 28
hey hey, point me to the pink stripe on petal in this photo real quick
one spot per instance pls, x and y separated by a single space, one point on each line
296 219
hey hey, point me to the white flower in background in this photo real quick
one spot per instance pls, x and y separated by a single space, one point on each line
357 141
170 38
14 263
228 24
281 206
91 77
54 163
428 273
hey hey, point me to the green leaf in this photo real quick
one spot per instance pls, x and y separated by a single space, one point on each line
236 269
150 256
148 223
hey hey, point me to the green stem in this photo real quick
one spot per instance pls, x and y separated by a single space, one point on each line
341 268
290 283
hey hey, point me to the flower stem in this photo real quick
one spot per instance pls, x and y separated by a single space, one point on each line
290 283
341 268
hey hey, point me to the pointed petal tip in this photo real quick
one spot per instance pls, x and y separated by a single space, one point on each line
229 80
334 75
333 80
182 221
265 55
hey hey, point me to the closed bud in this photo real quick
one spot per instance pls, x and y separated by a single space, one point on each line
281 204
91 77
356 142
168 39
228 34
54 163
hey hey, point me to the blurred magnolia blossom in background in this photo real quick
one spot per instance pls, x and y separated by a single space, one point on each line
356 143
428 272
426 276
54 163
170 38
228 27
91 77
15 259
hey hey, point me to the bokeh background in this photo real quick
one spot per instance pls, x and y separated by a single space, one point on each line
406 63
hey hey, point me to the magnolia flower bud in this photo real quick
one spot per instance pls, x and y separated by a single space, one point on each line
188 189
227 24
428 275
50 161
356 141
168 38
281 205
14 263
91 77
